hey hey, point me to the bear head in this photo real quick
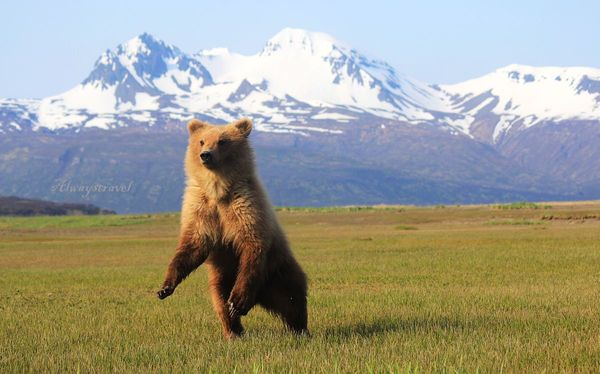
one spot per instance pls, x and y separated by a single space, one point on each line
216 147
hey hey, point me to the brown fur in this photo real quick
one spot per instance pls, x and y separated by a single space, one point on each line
227 222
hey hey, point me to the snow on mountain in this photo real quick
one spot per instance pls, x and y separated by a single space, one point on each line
126 84
17 114
145 64
518 96
316 69
300 82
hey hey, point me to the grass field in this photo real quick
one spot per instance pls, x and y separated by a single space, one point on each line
392 289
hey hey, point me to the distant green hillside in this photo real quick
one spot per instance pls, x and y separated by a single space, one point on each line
16 206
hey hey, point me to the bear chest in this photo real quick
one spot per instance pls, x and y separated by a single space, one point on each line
212 217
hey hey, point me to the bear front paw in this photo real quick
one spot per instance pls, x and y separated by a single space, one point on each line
239 305
165 292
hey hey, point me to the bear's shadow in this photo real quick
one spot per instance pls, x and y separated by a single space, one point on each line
367 329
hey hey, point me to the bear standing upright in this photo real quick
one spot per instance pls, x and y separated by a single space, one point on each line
227 222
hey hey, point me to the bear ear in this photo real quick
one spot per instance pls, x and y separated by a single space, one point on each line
244 126
195 125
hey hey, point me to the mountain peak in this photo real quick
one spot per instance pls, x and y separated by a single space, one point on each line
144 44
290 39
145 64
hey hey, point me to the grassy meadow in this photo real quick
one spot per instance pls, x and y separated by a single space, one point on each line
503 288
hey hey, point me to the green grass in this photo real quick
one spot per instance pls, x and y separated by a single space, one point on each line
455 294
39 222
522 205
336 209
514 222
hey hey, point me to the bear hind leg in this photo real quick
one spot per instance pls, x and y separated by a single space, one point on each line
286 298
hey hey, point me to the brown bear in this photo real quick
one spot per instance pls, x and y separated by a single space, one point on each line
228 222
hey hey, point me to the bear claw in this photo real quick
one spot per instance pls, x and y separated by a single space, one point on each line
233 312
238 305
165 292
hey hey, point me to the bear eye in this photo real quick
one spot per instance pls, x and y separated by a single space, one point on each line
201 143
222 141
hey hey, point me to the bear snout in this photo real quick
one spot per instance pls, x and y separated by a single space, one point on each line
206 157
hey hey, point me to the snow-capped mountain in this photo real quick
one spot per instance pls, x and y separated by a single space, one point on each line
518 97
129 83
299 82
147 65
317 70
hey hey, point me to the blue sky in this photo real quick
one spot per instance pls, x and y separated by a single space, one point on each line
50 46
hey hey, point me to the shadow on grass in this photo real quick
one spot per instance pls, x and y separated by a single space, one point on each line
384 326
